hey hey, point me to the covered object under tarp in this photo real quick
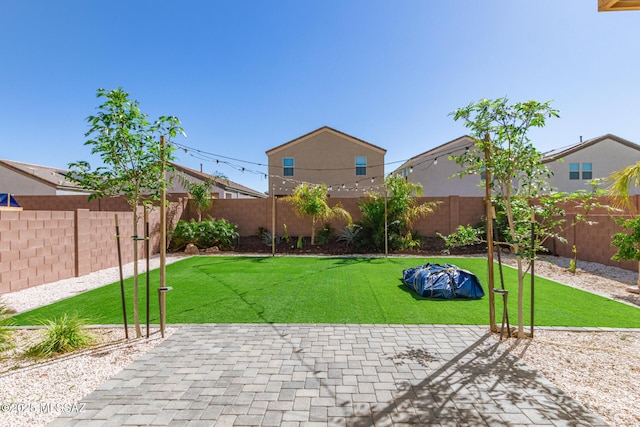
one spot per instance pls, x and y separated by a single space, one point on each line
7 202
443 281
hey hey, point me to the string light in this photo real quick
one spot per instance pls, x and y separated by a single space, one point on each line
219 159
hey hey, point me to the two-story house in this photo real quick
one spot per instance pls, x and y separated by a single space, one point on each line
575 166
348 166
435 171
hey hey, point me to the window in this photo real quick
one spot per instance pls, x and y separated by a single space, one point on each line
287 165
361 165
574 170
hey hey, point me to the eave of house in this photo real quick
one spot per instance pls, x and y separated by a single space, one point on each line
224 184
52 177
326 129
441 150
618 5
554 155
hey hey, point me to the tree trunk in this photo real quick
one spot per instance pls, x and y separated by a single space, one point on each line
136 314
313 230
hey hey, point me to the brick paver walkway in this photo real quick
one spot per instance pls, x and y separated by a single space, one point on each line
329 375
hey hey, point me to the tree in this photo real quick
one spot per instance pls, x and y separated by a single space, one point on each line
126 142
628 245
199 192
310 200
514 164
401 209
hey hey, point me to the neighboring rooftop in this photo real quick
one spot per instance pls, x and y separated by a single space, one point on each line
223 183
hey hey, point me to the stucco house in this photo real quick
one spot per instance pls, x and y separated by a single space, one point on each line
222 188
435 171
348 166
25 179
575 166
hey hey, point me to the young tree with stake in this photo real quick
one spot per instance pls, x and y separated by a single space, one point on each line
129 149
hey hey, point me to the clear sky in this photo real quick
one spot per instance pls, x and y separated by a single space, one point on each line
246 76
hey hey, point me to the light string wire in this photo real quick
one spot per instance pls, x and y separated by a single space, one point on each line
368 184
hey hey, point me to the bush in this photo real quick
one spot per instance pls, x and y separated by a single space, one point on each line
204 234
6 332
325 234
184 233
63 334
350 235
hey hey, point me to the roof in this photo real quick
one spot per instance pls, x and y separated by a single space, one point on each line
445 149
326 129
559 153
223 183
54 177
613 5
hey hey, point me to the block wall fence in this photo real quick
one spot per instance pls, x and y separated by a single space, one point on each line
59 237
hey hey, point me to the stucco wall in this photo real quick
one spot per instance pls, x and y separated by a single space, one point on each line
326 158
606 157
16 183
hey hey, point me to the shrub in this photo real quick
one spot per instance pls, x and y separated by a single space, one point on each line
350 235
268 238
184 233
219 233
325 234
204 234
63 334
6 332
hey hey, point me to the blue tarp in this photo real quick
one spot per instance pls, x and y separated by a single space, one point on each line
8 201
443 281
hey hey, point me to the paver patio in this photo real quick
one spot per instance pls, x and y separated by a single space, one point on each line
329 375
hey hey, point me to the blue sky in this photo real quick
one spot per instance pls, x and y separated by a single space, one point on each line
245 76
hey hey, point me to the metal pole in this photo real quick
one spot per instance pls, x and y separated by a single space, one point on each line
489 215
124 306
146 247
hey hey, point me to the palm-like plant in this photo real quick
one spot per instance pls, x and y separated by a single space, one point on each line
402 210
621 182
311 201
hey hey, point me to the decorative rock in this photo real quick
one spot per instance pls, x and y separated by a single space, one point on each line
212 250
191 249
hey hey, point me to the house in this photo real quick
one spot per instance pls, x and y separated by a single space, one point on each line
435 171
222 188
348 166
24 179
575 166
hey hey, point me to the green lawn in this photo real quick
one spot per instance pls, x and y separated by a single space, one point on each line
328 290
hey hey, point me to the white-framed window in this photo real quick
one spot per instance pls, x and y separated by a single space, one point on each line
361 165
580 171
288 164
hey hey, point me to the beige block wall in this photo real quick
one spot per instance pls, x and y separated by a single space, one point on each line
39 247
